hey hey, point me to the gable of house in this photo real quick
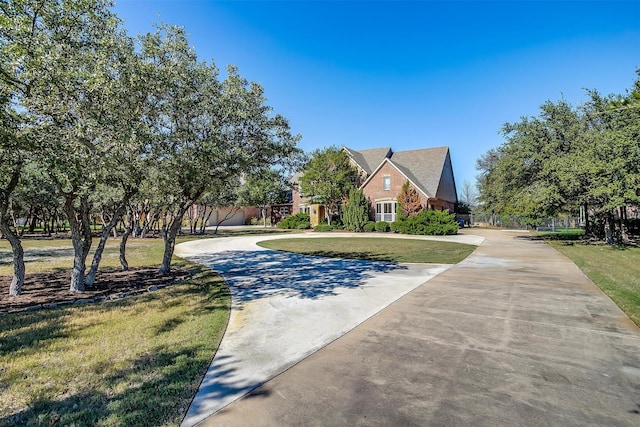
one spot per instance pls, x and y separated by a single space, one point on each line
429 170
385 183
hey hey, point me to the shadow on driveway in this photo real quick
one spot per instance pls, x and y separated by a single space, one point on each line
253 275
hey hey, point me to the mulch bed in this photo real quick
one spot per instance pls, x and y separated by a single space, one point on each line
47 290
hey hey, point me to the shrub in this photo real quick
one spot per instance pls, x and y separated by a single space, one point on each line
408 202
370 227
293 221
323 227
303 226
395 226
382 226
429 223
336 222
355 213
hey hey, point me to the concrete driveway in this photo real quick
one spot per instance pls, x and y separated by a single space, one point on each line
287 306
515 335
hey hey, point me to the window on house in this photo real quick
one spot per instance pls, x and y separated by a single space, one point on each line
386 182
386 211
304 209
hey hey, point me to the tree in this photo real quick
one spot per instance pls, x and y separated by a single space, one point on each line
14 31
11 160
355 212
209 132
610 161
327 178
468 196
128 160
263 190
408 201
565 158
76 106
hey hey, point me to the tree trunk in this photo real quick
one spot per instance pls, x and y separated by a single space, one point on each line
622 217
127 221
80 225
33 223
169 235
123 250
610 227
203 226
587 227
18 258
90 278
15 288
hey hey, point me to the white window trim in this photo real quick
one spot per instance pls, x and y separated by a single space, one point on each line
386 183
386 211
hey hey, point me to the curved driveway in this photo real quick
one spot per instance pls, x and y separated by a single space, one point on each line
287 306
514 335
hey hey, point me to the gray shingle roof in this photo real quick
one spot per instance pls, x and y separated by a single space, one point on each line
424 167
369 160
429 169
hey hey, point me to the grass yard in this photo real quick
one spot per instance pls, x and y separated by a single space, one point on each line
376 249
45 255
134 361
615 270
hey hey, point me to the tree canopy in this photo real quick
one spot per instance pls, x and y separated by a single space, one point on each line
119 127
567 157
327 178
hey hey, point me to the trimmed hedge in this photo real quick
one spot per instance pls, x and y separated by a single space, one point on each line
382 226
323 227
428 223
370 227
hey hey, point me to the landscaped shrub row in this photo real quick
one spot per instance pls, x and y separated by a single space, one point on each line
323 227
427 223
299 221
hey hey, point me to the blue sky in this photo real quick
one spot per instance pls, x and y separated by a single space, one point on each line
409 75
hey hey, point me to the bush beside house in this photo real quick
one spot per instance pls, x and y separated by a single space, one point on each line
382 226
427 223
323 227
370 227
299 221
355 213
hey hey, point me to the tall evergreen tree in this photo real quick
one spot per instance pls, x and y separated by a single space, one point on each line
355 212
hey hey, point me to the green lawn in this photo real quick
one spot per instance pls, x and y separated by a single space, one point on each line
376 248
136 361
615 270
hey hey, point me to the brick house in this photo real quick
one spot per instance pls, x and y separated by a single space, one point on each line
383 172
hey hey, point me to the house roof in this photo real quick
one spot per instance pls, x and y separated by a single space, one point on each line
369 160
423 167
428 169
